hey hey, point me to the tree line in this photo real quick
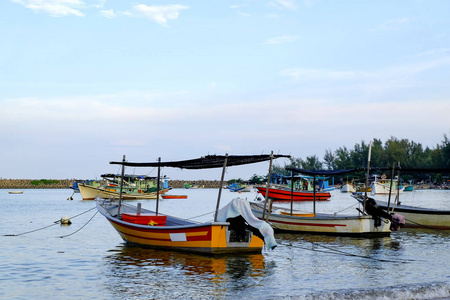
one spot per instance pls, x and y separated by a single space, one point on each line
408 154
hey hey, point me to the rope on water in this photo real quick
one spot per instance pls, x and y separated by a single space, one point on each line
340 252
425 226
54 223
63 236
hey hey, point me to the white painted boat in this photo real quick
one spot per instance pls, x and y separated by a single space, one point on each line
382 186
348 188
420 217
281 219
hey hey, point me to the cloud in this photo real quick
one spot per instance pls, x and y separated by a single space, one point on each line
157 13
370 83
110 14
238 6
321 74
284 4
387 73
281 39
395 24
56 8
59 8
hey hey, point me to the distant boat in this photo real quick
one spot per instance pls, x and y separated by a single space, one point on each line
134 187
410 187
279 193
165 196
348 188
15 192
239 187
382 185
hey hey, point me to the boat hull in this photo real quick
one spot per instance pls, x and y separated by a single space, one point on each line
324 223
280 194
418 217
204 238
174 196
90 193
348 188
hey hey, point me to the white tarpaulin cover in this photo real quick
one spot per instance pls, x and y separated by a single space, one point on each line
241 207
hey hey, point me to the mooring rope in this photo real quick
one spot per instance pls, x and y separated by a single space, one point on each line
425 226
63 236
344 253
54 223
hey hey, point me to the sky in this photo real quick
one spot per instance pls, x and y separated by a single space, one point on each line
84 82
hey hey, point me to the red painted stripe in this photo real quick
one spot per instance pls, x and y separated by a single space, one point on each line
308 224
162 230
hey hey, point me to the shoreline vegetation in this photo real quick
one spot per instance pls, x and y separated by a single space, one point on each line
176 184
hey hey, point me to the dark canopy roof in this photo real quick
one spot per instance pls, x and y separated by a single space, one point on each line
205 162
346 171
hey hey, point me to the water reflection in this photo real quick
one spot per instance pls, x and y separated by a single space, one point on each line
135 271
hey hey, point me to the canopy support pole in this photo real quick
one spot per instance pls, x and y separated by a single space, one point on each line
157 186
220 187
397 198
314 195
390 187
121 186
292 192
267 187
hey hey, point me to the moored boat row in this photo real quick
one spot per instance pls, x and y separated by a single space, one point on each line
241 226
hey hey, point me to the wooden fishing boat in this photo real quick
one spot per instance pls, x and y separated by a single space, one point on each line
234 228
281 219
165 196
279 193
134 187
417 217
384 186
236 187
348 188
410 187
372 221
15 192
90 193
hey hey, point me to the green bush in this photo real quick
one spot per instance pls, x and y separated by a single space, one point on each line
44 181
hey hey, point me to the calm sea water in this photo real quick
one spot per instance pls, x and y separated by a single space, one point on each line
88 259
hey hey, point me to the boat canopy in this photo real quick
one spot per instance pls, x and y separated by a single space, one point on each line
205 162
324 172
347 171
128 177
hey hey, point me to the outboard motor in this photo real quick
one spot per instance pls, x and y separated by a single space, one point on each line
375 211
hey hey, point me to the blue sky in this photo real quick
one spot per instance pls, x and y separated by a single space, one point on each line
83 82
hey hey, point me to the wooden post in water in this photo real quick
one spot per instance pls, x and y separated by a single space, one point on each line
220 187
157 185
121 187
